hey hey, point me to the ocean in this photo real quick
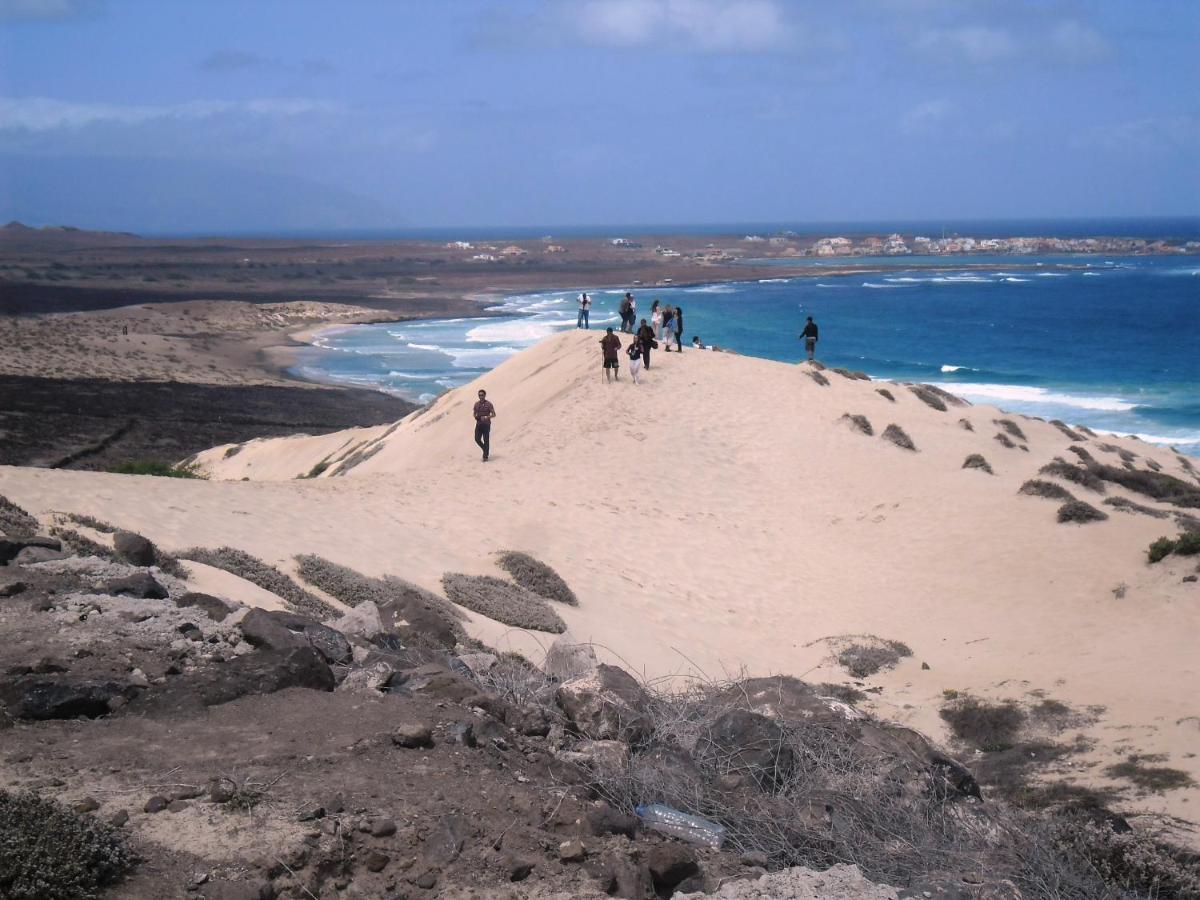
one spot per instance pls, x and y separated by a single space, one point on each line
1108 342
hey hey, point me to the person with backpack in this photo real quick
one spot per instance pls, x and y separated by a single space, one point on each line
644 341
809 336
626 311
585 306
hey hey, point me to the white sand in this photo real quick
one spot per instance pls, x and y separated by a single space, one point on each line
721 517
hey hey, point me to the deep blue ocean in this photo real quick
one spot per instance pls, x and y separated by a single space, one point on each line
1108 342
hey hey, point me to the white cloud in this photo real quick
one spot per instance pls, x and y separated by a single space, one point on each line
925 116
34 10
1074 42
40 114
976 44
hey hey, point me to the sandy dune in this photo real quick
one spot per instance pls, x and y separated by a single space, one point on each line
723 516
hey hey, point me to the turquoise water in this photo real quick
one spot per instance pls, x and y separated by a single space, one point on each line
1108 342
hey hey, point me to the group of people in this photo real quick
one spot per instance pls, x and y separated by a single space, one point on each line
664 320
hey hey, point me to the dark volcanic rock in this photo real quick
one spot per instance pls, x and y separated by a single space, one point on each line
214 608
30 555
283 630
602 819
265 672
140 584
68 700
751 744
606 704
10 547
414 735
134 549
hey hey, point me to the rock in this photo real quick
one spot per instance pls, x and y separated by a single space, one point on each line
139 584
621 876
278 630
68 700
191 631
376 861
446 842
478 663
530 721
605 704
754 858
670 863
216 609
263 672
427 880
254 889
156 804
86 805
134 549
221 790
261 629
31 555
518 868
602 819
751 744
572 851
413 735
363 621
1189 579
177 806
372 679
463 733
12 588
382 827
432 680
310 813
568 659
118 819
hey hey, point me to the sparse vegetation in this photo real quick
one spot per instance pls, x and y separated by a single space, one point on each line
317 469
536 576
862 660
1156 779
1005 440
14 521
502 601
859 423
852 375
1012 428
1187 544
233 451
817 377
92 523
899 437
265 576
1036 487
156 467
1136 863
990 727
1156 485
1082 453
1084 477
1128 506
1078 511
976 461
886 394
927 395
47 850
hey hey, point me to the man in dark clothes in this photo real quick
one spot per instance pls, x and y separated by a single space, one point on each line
645 339
484 413
810 337
611 345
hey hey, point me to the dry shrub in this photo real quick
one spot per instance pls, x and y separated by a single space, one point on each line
818 378
357 458
1005 440
1065 429
15 522
865 660
897 436
1133 863
1082 453
989 727
1012 428
1156 485
1156 779
976 461
1085 430
859 423
852 375
267 577
502 601
1078 511
536 576
965 425
1128 506
886 394
928 396
92 523
1084 477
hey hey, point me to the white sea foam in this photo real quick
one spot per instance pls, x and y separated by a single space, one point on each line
711 289
820 285
877 286
773 280
1051 274
1093 274
1014 278
520 331
407 376
434 347
1025 394
947 369
479 357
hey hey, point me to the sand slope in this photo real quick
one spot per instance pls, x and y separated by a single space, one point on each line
723 516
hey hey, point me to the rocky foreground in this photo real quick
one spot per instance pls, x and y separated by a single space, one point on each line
182 744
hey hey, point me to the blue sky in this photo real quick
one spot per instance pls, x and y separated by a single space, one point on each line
253 114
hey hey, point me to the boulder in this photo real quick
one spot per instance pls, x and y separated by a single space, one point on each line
750 744
265 672
478 663
10 547
531 721
212 607
670 864
363 621
432 680
277 630
413 735
372 679
31 555
139 584
12 588
568 659
602 819
134 549
605 704
68 700
603 757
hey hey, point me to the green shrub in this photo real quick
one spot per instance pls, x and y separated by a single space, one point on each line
46 851
1160 549
155 467
1078 511
1060 468
1187 544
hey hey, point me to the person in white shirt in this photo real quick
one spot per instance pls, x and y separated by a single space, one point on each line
585 306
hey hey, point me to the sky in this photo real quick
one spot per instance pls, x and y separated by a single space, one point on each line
174 116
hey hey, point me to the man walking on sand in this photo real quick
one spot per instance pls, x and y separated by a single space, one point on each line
484 413
585 307
809 334
611 345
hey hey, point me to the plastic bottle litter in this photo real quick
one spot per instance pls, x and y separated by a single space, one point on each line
680 825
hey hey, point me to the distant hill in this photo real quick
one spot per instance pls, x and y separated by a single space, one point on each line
18 235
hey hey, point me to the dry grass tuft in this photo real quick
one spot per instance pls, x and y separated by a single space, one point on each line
859 423
852 375
1012 428
818 378
984 726
267 577
1128 506
1078 511
1067 430
862 660
1005 440
502 601
886 394
976 461
536 576
899 437
1084 477
965 425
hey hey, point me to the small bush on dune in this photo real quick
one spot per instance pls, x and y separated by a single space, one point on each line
1012 428
1128 506
1082 453
155 467
92 523
897 436
865 660
859 423
818 378
47 850
267 577
976 461
1086 478
502 601
966 425
853 376
1005 440
1160 549
886 394
14 521
1133 862
1065 429
1188 544
990 727
1148 777
536 576
927 395
1078 511
1156 485
1035 487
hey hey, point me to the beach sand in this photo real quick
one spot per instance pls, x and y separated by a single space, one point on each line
724 517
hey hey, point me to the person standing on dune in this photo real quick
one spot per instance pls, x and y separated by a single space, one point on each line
585 307
809 334
484 413
656 320
610 344
644 341
678 330
625 309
